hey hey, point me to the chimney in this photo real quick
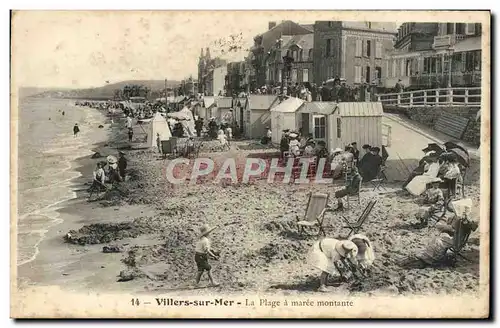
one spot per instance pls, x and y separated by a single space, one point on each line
272 25
201 54
207 53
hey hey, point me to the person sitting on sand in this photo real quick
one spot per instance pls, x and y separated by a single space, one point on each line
370 164
294 145
76 130
284 144
99 178
351 189
325 255
202 251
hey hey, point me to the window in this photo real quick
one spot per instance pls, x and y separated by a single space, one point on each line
319 126
294 75
368 74
295 56
460 28
279 75
470 29
446 64
305 75
439 64
301 55
310 54
450 28
469 61
477 60
328 47
426 65
378 50
368 48
357 74
359 46
339 127
378 72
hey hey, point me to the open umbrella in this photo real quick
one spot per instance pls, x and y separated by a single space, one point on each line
433 147
462 156
452 145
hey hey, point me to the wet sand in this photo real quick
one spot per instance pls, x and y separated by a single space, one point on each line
261 249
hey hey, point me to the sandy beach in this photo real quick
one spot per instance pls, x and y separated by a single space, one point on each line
155 225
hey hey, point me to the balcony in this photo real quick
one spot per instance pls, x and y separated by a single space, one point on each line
446 41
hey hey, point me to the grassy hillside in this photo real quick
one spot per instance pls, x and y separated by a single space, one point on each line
105 92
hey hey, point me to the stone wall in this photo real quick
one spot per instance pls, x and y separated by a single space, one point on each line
429 115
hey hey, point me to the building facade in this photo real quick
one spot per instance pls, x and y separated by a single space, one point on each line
210 71
355 51
453 58
235 78
300 49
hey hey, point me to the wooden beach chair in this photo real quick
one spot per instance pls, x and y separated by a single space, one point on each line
440 214
377 183
317 206
354 227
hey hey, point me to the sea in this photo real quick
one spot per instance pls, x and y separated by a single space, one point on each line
47 151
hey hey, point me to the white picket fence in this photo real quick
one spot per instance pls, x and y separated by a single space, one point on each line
470 97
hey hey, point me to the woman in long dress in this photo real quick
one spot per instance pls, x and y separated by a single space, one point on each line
418 184
325 254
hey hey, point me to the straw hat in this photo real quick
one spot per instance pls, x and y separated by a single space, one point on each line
205 230
293 135
346 248
111 159
337 150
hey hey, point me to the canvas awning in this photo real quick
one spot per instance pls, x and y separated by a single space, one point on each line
469 44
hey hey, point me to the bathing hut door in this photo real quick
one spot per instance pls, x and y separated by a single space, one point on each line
319 127
305 124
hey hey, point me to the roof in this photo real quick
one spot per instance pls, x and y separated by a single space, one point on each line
224 102
208 101
319 107
261 102
469 44
360 109
372 26
309 27
290 105
305 41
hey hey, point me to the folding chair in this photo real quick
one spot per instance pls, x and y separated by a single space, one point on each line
440 214
317 205
354 227
460 238
356 195
377 183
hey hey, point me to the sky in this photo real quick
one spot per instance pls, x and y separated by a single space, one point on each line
75 49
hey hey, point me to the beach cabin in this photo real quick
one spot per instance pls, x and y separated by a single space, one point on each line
224 105
285 116
343 123
257 115
207 108
239 107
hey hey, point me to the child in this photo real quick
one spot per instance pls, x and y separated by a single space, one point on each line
202 250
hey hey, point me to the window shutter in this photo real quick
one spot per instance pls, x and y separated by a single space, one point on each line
359 48
470 29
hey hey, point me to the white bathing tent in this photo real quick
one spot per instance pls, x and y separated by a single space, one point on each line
158 125
186 118
284 116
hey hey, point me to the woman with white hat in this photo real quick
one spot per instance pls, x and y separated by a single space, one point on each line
202 251
326 253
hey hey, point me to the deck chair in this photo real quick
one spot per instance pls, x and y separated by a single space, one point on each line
460 238
354 196
377 183
440 214
317 206
354 227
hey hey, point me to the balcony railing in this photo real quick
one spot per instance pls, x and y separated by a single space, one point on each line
470 97
446 41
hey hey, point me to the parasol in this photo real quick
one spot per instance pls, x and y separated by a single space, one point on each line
452 145
462 156
433 147
111 159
